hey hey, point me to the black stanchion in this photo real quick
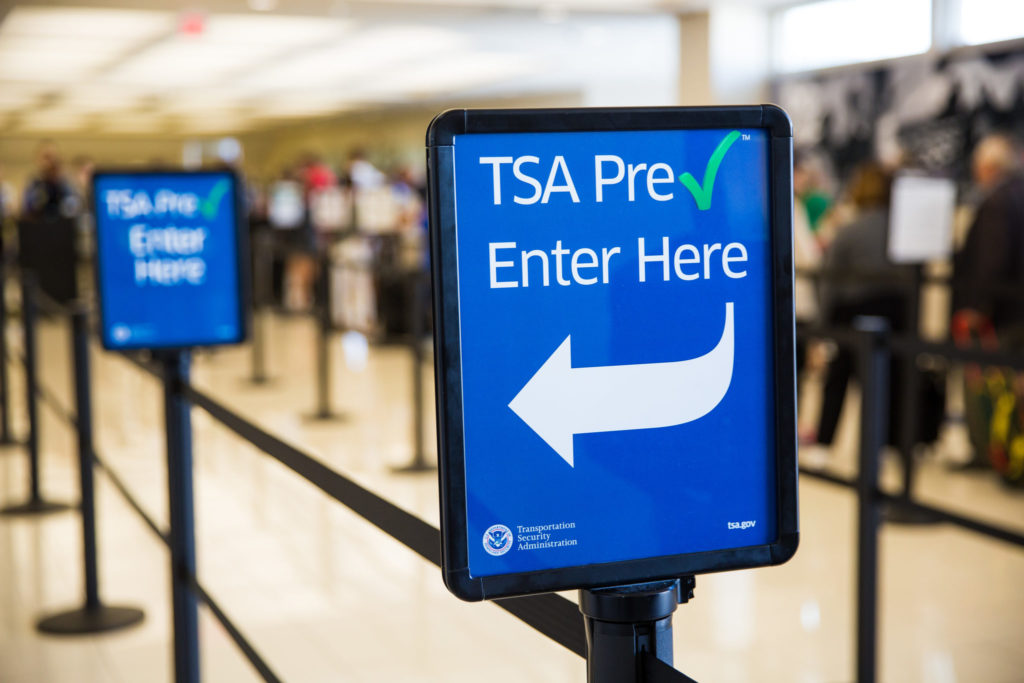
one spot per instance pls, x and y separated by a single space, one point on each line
323 340
417 295
6 439
184 603
897 512
261 297
627 625
94 616
36 504
874 360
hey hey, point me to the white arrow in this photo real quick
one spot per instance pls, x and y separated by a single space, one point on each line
560 400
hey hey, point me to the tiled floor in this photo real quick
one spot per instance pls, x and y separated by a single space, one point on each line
327 597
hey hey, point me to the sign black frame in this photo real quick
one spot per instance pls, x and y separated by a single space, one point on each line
447 351
242 265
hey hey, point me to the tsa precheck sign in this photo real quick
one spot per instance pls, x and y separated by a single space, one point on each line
616 345
168 257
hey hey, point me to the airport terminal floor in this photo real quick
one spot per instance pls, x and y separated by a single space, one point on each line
325 596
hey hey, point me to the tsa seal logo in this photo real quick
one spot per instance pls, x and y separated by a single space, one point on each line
498 540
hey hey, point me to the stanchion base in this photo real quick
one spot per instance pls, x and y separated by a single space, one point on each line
258 381
970 466
90 620
35 507
324 417
894 513
415 467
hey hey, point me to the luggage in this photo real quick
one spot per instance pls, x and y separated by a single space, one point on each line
994 405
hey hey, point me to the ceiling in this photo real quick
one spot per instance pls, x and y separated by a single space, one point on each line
149 67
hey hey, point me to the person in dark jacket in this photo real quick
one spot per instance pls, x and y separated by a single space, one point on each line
989 269
861 245
988 283
49 195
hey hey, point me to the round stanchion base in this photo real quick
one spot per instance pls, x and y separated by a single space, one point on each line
895 513
970 466
35 507
259 381
415 467
90 620
324 417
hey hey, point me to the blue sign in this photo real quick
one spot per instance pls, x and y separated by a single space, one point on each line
617 344
168 259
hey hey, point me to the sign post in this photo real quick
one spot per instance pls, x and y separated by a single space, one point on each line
614 346
172 271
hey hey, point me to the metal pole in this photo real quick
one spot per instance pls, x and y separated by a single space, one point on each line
323 338
94 617
178 421
5 394
29 317
261 282
874 357
30 313
83 411
908 429
627 623
416 299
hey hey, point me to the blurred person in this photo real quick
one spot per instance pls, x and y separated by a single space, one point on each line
82 169
860 244
807 259
993 252
809 189
988 285
300 272
48 194
363 174
7 209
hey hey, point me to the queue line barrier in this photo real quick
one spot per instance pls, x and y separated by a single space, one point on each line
550 614
416 285
907 281
875 346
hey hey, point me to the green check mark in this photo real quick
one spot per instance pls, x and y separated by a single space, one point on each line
702 192
212 201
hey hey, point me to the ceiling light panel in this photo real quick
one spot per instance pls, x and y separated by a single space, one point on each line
52 60
279 30
63 45
186 62
355 57
96 24
450 74
227 44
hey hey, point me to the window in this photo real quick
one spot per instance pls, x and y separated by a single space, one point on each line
988 21
833 32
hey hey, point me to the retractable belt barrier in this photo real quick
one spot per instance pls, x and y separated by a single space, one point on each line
909 346
416 285
551 614
875 347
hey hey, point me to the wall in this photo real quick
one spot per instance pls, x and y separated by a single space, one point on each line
934 108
